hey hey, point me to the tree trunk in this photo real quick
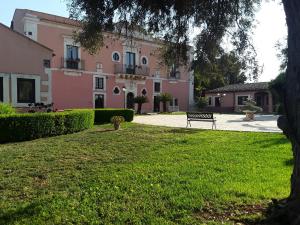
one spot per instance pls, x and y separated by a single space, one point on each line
139 111
291 122
165 106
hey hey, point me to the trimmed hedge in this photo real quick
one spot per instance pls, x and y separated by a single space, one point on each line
104 115
22 127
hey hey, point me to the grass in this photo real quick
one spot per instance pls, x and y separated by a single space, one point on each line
140 175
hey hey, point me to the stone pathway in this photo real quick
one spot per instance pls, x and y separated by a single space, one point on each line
262 123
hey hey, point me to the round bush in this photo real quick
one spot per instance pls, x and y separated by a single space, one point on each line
22 127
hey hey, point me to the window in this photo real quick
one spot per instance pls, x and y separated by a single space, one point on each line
99 83
72 59
116 57
1 89
116 90
174 73
157 87
130 63
72 52
176 102
25 90
47 63
144 60
144 92
30 33
210 101
242 99
99 101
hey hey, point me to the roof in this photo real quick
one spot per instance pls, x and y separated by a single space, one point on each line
53 18
23 36
259 86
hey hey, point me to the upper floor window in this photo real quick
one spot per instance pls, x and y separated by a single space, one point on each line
144 60
72 52
72 59
99 83
116 56
47 63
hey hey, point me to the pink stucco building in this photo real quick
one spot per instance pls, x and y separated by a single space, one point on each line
120 71
25 76
231 98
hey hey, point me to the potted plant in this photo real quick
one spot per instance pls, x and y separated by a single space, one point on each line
164 98
250 109
116 121
140 100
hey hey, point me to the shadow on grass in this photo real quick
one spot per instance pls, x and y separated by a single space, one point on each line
26 212
101 130
272 142
185 131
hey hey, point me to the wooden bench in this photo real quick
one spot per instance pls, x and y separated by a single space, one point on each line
201 116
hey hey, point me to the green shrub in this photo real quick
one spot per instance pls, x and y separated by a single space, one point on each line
22 127
6 109
104 115
202 102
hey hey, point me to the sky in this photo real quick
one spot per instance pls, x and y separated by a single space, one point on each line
270 28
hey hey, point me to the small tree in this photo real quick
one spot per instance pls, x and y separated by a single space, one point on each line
164 98
140 100
250 108
202 102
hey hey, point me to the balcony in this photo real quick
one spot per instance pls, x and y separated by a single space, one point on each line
72 64
129 70
174 75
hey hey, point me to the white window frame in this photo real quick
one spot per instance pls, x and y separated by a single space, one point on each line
70 41
5 87
104 82
146 60
14 92
115 88
237 99
99 93
157 81
112 56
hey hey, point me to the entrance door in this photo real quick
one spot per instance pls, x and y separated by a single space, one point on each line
99 101
1 89
130 62
156 104
217 101
130 100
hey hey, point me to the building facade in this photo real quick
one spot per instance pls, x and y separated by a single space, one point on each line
231 97
25 76
122 69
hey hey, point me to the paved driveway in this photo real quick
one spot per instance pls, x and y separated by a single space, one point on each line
262 123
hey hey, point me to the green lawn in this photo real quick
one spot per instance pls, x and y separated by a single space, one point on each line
140 175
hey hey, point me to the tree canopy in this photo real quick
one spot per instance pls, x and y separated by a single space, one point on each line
172 21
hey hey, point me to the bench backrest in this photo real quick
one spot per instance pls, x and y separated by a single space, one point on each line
200 115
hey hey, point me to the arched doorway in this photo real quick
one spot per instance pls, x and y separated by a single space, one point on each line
130 100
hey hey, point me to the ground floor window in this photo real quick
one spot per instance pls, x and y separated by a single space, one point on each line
1 89
99 101
242 99
217 101
25 90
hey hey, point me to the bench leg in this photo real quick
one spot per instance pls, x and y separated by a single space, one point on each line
214 125
188 123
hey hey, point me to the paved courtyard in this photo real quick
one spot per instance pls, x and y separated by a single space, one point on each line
262 123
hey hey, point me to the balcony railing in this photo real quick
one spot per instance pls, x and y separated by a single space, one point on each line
130 69
174 75
72 64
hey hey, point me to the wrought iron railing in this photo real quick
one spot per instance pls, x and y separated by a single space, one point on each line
73 64
131 69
